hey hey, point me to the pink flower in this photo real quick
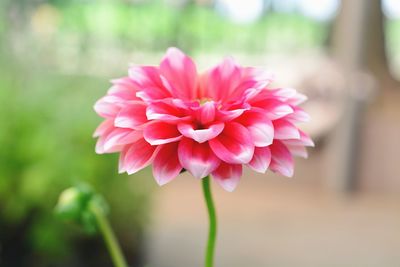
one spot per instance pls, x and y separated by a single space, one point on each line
173 118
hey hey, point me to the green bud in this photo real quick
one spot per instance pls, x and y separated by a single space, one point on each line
76 205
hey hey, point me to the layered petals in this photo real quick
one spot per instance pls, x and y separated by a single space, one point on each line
136 156
181 74
212 123
166 165
158 133
131 116
259 126
197 158
201 135
171 110
205 114
261 159
234 145
222 80
228 175
151 84
115 139
281 159
285 130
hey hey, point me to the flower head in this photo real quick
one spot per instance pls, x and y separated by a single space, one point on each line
214 123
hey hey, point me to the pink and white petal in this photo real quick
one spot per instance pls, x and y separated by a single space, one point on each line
299 115
297 99
228 175
299 151
260 75
124 88
181 73
288 95
260 127
205 113
228 115
166 110
119 137
166 165
136 156
273 108
284 93
261 159
197 158
305 140
108 106
105 126
281 159
200 135
147 79
100 146
131 116
234 145
285 130
251 93
252 78
222 80
157 133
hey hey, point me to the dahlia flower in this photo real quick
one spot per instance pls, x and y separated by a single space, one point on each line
214 123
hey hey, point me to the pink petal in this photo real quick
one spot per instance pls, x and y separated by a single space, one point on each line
228 175
124 88
167 110
299 115
234 145
131 116
231 111
228 115
284 93
147 79
282 160
200 135
197 158
136 156
288 95
222 80
297 99
259 126
285 130
205 113
166 164
299 151
106 125
261 77
119 137
305 140
108 106
157 133
261 159
251 78
180 71
273 108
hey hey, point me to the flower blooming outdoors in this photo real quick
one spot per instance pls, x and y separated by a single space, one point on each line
176 119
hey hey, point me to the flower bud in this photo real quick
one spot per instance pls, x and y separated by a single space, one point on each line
76 205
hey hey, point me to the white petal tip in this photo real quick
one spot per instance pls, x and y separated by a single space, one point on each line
161 182
227 185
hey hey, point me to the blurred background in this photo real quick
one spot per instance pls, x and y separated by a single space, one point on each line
340 209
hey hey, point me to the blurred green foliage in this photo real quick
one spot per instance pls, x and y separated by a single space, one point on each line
46 146
154 26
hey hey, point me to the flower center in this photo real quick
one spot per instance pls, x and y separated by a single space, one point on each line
204 100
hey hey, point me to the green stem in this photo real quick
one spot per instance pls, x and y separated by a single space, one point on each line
209 260
109 237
